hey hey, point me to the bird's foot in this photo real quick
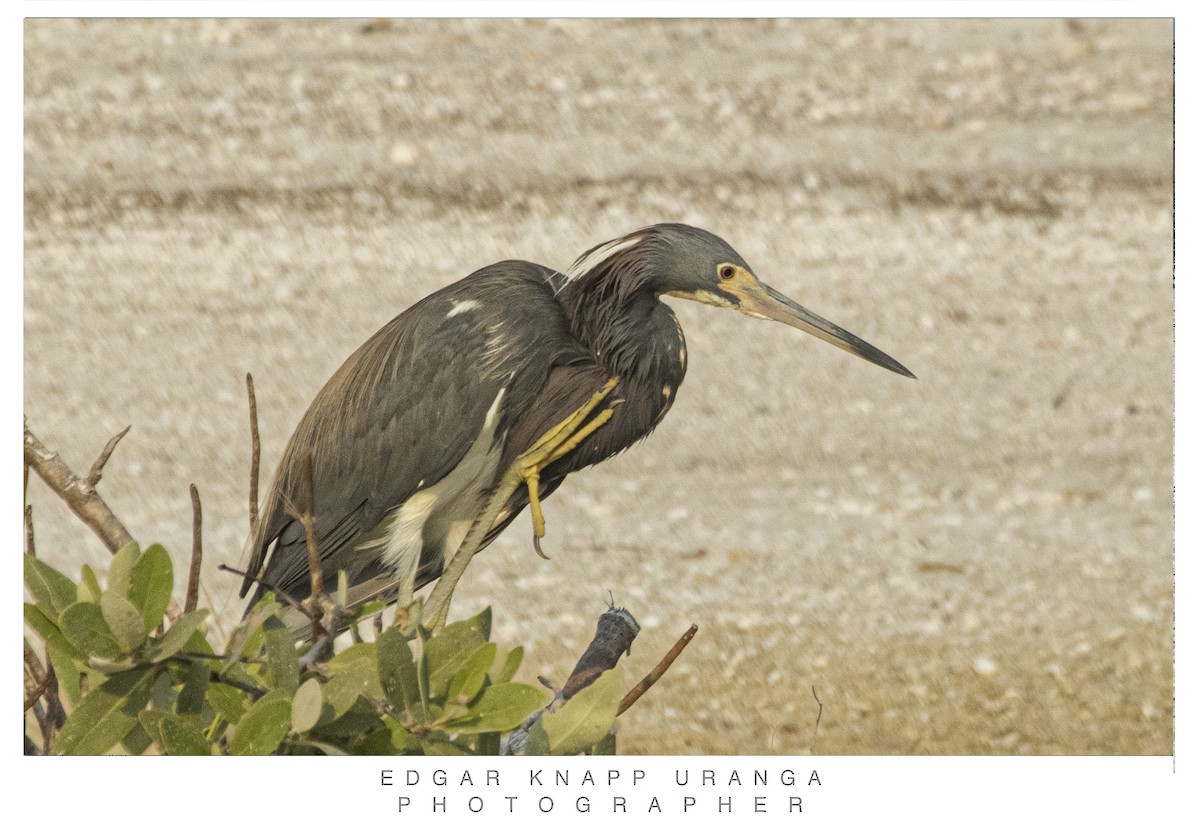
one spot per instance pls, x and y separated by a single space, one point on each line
555 444
525 470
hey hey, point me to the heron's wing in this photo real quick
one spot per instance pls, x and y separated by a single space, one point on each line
401 413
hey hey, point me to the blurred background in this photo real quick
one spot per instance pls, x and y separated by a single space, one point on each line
976 562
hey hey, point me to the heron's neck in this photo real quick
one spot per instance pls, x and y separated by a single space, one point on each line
635 336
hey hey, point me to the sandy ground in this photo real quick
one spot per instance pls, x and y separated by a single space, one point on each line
977 562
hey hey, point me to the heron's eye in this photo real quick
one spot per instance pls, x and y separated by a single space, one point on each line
725 271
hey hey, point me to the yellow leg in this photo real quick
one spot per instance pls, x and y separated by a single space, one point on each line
526 469
555 444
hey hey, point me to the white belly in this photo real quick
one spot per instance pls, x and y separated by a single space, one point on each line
440 516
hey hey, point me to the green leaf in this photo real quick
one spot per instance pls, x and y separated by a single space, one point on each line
120 570
107 713
448 650
263 726
378 742
229 702
137 741
89 585
52 590
537 742
487 743
606 745
502 672
398 672
180 736
282 660
499 709
195 685
349 726
50 632
68 668
586 718
84 627
481 623
176 637
150 585
162 694
359 656
341 691
124 619
444 748
242 634
306 705
467 682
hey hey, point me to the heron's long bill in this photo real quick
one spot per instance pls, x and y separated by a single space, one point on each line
769 303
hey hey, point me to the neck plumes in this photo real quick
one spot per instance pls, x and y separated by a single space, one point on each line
614 310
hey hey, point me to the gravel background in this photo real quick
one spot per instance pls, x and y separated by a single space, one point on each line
977 562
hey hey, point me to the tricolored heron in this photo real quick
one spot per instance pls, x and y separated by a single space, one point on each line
412 433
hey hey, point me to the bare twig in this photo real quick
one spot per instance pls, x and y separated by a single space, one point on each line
79 495
44 686
214 676
35 679
30 547
275 590
657 672
316 576
323 612
820 709
36 692
96 471
193 587
255 448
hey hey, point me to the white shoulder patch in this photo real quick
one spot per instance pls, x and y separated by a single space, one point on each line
462 307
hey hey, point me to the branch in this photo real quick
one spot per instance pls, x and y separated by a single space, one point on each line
657 672
79 494
193 587
30 546
255 448
214 676
94 473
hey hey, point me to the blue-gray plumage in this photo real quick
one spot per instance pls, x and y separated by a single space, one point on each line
413 431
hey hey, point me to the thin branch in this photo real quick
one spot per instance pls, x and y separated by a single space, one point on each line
255 448
275 590
316 576
50 715
820 710
657 672
34 677
214 676
87 505
96 471
30 546
193 587
36 692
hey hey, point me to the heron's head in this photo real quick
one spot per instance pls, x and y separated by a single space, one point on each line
694 264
